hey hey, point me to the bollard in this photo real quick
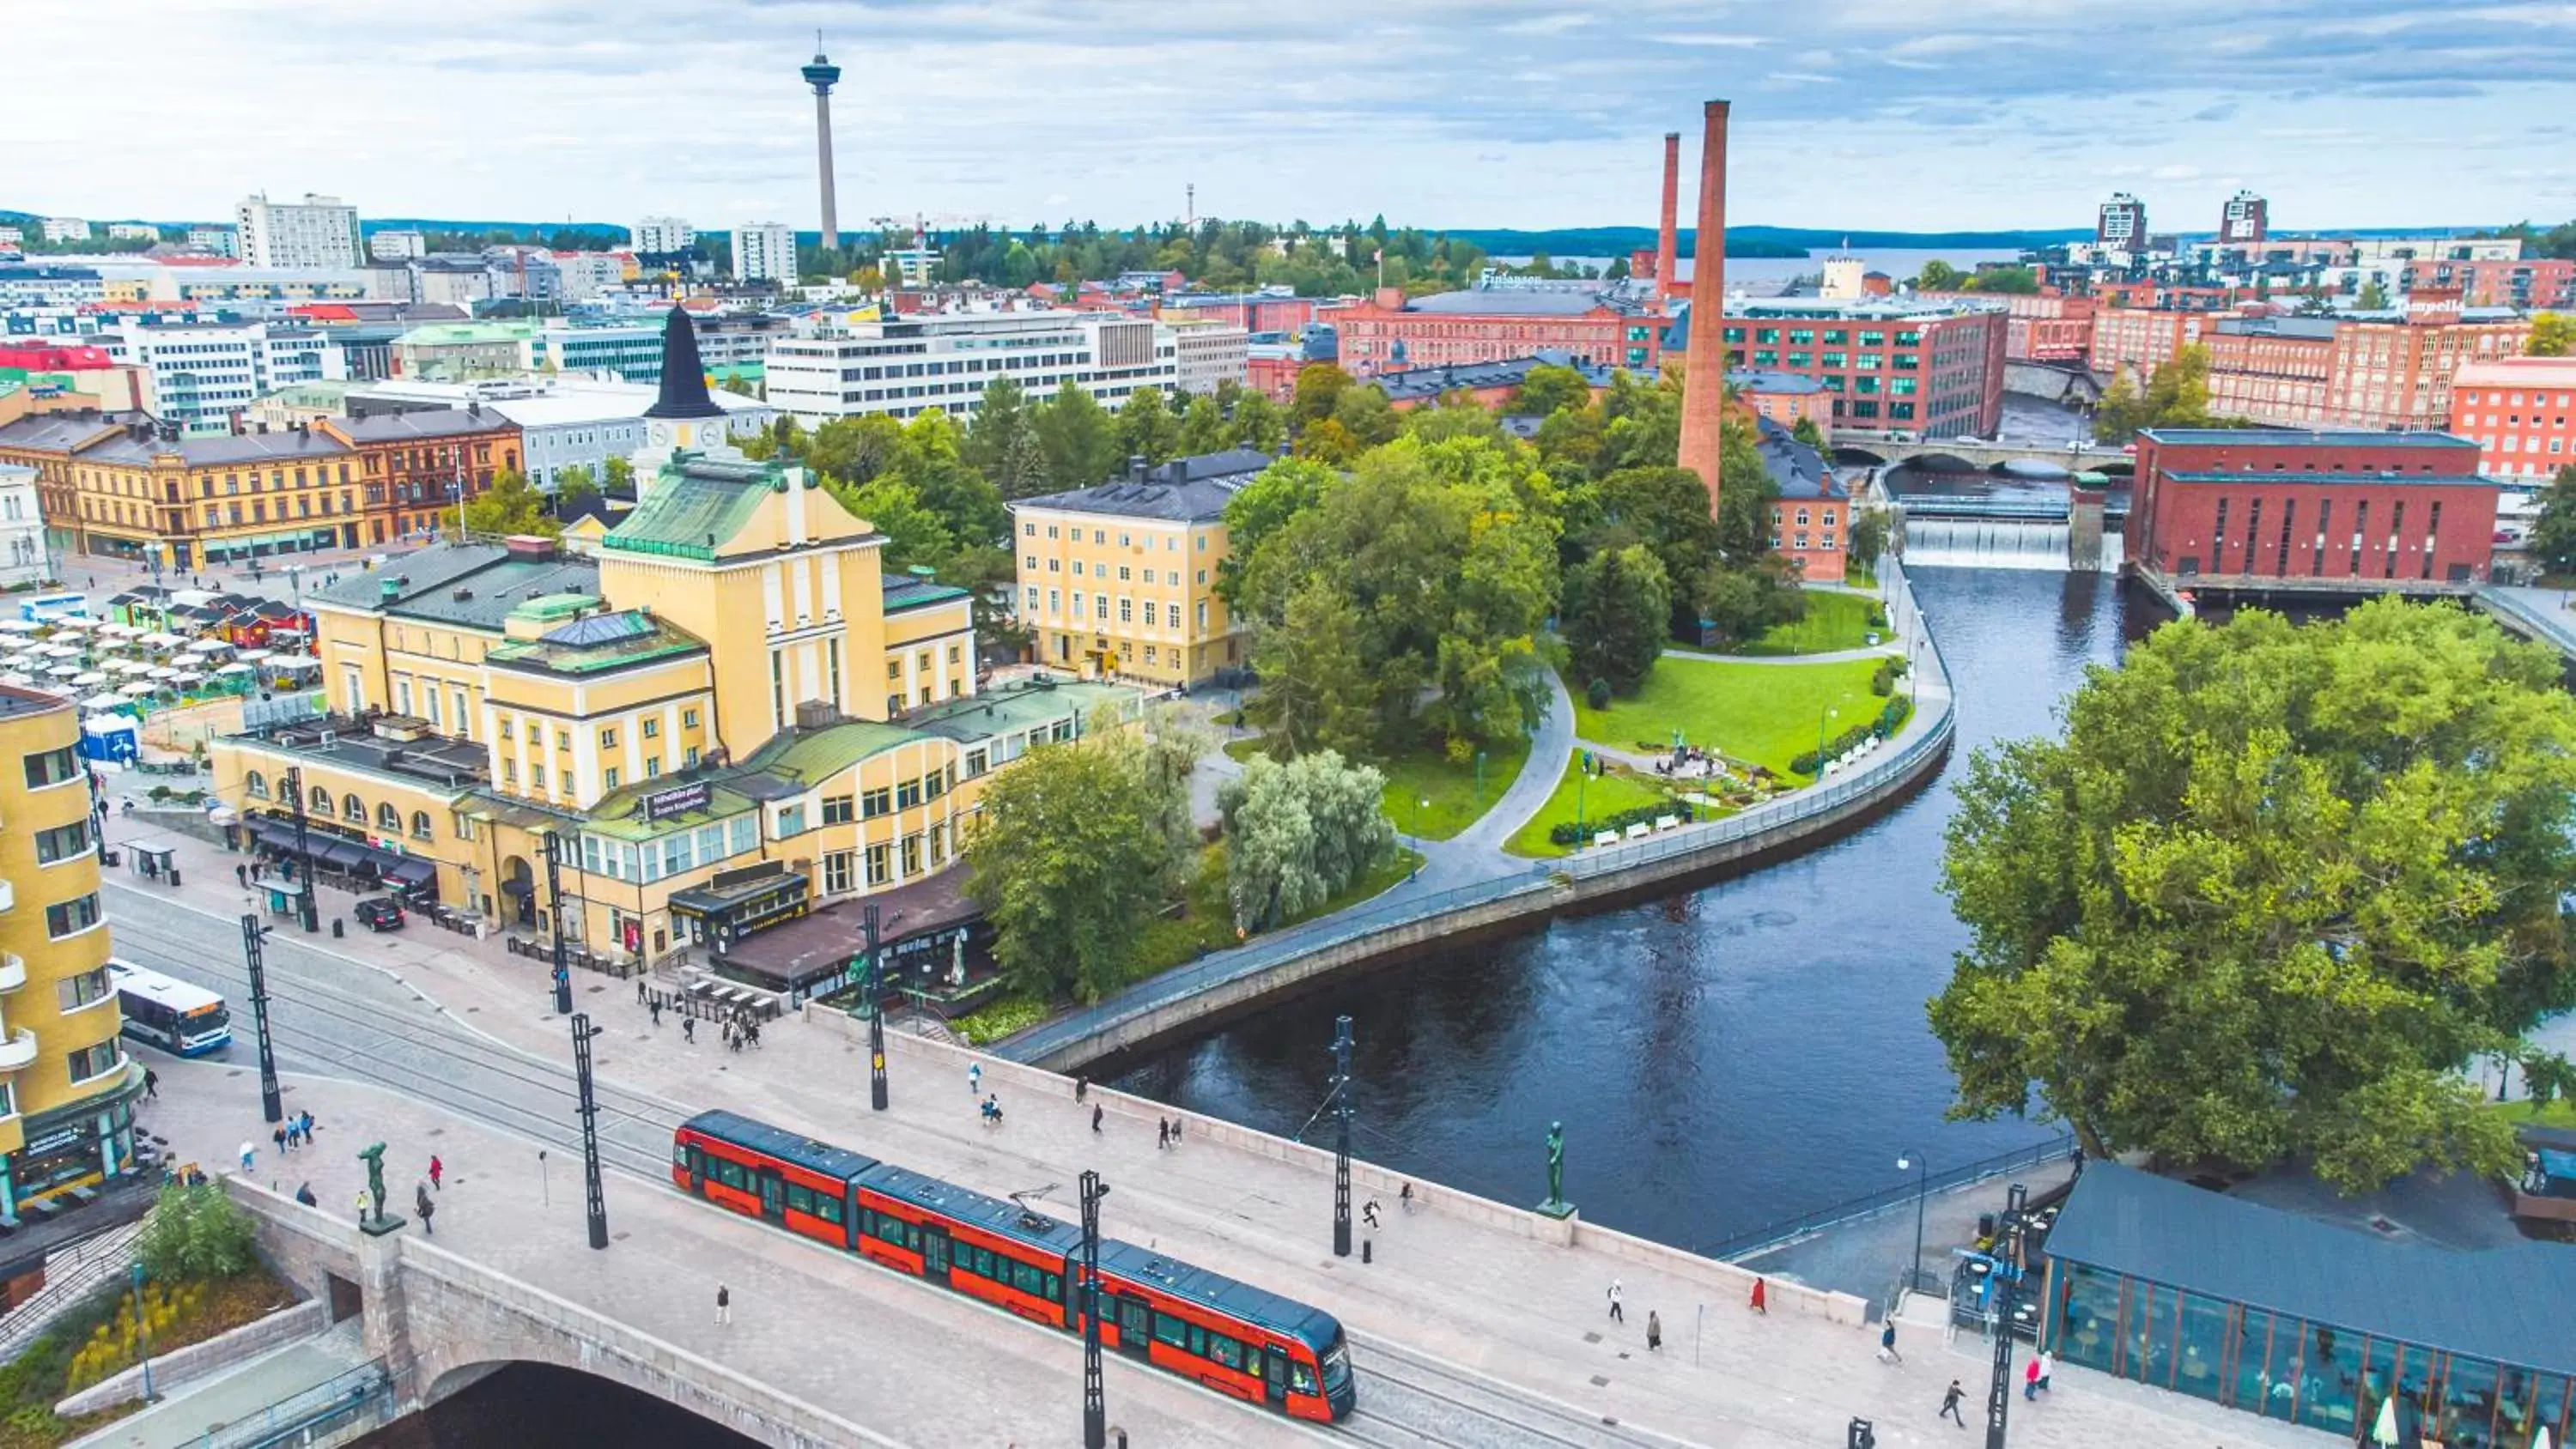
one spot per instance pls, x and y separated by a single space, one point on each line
1368 1248
1861 1435
174 877
339 928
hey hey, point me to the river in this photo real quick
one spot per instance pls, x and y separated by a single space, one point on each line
1721 1058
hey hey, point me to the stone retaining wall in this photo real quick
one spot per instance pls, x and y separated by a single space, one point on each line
197 1360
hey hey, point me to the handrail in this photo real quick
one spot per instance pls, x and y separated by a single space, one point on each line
339 1398
1925 736
91 1260
1781 1230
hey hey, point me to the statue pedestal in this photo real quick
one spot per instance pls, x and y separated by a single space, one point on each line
378 1225
1556 1222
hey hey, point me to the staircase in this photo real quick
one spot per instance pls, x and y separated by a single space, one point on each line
71 1275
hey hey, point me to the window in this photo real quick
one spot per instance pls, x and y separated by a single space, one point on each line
838 809
96 1061
53 767
420 825
608 778
877 872
838 868
876 802
70 918
688 719
62 842
389 820
608 739
86 989
652 729
907 793
912 855
255 785
791 820
353 809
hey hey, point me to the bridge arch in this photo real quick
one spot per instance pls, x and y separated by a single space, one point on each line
553 1403
1931 462
1847 454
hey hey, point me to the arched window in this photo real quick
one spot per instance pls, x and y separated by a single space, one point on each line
389 820
420 825
353 809
321 801
255 785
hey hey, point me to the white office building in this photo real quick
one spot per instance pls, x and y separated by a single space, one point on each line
665 234
320 231
132 231
584 276
764 251
223 241
64 229
835 367
563 422
204 376
1211 352
397 245
22 529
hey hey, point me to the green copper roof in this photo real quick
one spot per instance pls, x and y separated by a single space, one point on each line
809 757
694 507
620 816
595 645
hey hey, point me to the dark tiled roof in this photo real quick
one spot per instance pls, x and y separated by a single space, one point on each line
438 423
1764 380
1184 490
904 591
1419 384
1798 470
2511 1305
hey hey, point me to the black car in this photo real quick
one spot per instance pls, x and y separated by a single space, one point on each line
382 913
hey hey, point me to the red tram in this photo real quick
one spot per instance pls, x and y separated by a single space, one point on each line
1230 1336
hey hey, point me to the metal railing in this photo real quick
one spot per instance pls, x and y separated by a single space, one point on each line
71 1275
1772 1234
361 1395
1927 733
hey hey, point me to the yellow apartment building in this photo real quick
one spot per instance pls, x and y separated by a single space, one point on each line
727 716
1118 580
66 1088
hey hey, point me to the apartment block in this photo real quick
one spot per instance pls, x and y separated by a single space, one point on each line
1119 579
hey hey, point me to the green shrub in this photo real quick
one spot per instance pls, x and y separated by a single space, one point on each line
1597 693
1882 681
998 1020
196 1233
1889 721
1568 832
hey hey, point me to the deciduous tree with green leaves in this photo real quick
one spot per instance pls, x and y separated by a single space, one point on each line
1316 692
1002 441
2269 892
1547 389
2177 396
2553 534
511 505
1299 833
2553 334
1618 608
1079 440
1147 428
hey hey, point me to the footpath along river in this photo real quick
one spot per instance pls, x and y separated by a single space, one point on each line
1721 1058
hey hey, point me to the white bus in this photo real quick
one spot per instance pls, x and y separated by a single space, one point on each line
37 608
185 1020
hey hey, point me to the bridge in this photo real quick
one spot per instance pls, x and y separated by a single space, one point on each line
1962 456
1473 1321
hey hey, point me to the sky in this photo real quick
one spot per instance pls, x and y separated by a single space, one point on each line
1881 114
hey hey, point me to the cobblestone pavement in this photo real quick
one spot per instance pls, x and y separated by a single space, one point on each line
462 1028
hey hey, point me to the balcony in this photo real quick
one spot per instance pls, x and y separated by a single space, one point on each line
19 1051
13 972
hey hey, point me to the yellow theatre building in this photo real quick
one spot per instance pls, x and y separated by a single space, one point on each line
728 716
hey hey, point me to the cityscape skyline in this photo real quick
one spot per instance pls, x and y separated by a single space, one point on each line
2346 115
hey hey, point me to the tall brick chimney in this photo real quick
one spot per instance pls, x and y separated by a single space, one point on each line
1704 364
1668 240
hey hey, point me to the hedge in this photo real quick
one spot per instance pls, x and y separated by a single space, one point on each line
1569 832
1889 721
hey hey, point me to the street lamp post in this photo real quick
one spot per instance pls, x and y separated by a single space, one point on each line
1095 1404
143 1325
1829 714
1922 1195
874 1002
597 1206
310 911
1342 1137
271 1107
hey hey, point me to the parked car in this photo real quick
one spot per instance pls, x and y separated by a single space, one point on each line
379 913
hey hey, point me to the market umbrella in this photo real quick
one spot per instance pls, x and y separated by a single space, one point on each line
253 656
236 669
2385 1433
20 680
129 666
17 626
72 622
188 676
163 640
164 673
2540 1438
65 671
92 676
62 651
102 701
208 646
138 689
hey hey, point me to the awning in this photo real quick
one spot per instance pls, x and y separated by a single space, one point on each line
412 870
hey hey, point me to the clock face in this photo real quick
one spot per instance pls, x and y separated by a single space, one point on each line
660 435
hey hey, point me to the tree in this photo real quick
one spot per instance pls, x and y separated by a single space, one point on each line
1078 439
1868 539
2018 281
1808 433
1262 507
2553 334
1259 423
2374 297
1548 389
1618 607
1204 428
617 477
1002 442
2177 396
915 535
2269 892
1316 693
196 1234
512 505
1365 414
1146 427
1937 276
1299 833
1320 385
2553 534
1073 855
574 486
1738 601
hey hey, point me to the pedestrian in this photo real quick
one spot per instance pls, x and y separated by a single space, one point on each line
1617 1313
975 1078
2047 1366
752 1025
1654 1332
365 1207
1176 1132
1162 1133
242 873
1404 1199
277 1135
249 1155
689 1030
421 1204
1950 1404
655 1007
724 1304
993 1108
305 1196
728 1033
639 991
1368 1210
1081 1088
308 1126
1096 1111
2030 1380
1887 1345
151 1084
1761 1293
436 1168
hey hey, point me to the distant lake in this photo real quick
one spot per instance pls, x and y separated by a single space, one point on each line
1769 274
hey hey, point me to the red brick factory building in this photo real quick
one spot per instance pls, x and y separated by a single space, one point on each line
2334 512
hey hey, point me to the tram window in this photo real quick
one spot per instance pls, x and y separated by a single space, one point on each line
1171 1330
984 1265
1301 1378
1028 1280
1054 1289
1198 1341
679 1154
799 1200
1225 1350
730 1174
827 1208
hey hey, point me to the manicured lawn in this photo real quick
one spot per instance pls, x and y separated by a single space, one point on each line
2561 1113
1760 713
1206 920
1425 773
1600 796
1833 621
1860 578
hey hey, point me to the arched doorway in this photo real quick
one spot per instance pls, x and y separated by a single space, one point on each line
519 888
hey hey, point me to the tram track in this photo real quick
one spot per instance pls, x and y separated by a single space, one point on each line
1410 1400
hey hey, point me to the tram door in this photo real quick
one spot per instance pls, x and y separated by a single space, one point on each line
1274 1375
1135 1327
697 1171
934 1253
773 1196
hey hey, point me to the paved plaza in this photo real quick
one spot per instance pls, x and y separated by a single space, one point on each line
1457 1280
